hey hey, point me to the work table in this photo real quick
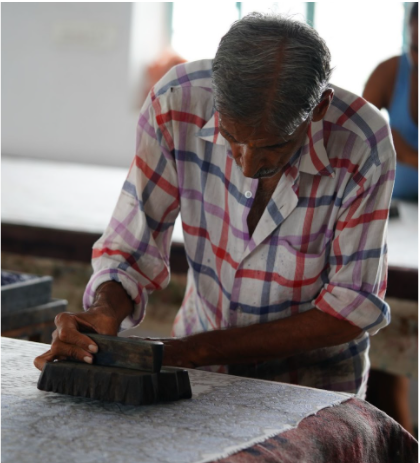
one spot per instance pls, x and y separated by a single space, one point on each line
228 417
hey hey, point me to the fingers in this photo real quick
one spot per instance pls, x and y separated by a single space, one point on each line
61 351
40 361
69 341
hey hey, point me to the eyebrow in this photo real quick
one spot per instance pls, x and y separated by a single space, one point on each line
222 129
276 145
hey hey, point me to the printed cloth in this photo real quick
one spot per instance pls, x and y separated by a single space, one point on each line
354 431
321 241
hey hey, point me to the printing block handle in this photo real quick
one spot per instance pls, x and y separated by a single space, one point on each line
132 353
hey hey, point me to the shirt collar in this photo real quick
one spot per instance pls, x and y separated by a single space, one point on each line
314 157
210 131
313 160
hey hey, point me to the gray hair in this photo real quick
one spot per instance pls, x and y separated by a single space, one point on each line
270 70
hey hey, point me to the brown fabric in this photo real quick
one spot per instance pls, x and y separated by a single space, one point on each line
353 432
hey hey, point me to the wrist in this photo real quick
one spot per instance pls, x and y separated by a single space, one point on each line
203 348
112 300
181 352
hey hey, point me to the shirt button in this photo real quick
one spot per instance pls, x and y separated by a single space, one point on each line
248 194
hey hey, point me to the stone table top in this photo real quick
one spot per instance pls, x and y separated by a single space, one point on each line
226 414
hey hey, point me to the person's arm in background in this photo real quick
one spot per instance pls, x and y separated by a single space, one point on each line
378 91
131 259
405 153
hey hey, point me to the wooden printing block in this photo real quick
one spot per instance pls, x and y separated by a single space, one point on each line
127 386
174 384
130 353
124 385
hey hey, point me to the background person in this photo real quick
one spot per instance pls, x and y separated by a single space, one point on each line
393 85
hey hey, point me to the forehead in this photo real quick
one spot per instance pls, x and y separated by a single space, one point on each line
244 133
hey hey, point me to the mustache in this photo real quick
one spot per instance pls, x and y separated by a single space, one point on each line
266 173
262 173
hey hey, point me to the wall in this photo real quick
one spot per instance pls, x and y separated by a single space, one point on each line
70 73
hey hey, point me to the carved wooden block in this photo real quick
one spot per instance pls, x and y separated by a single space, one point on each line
130 353
124 385
174 384
127 386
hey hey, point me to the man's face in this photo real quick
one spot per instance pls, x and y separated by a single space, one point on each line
258 153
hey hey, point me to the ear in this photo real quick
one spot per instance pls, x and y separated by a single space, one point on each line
323 105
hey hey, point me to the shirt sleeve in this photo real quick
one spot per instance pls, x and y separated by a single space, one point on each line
134 249
357 277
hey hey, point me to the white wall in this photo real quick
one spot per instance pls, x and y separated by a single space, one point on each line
67 78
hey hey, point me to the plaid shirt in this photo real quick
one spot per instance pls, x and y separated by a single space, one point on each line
321 241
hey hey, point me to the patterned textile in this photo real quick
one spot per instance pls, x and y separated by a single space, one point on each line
321 241
353 432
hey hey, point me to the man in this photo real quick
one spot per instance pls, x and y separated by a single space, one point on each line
283 184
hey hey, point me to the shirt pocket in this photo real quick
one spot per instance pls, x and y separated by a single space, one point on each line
300 274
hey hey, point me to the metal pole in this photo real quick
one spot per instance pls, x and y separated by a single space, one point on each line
239 8
169 19
407 9
310 13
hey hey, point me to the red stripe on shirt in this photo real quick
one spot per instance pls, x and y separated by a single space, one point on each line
156 178
351 110
219 252
314 157
165 132
381 214
154 284
275 277
180 116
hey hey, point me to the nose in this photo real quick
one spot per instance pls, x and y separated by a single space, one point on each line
247 158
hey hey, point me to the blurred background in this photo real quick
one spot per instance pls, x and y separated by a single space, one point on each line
74 76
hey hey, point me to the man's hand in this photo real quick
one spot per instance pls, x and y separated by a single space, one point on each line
69 342
112 304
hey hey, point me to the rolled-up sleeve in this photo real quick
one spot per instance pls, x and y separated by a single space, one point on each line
134 249
357 275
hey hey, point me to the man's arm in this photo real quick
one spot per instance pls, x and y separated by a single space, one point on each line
256 343
280 338
380 84
131 259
